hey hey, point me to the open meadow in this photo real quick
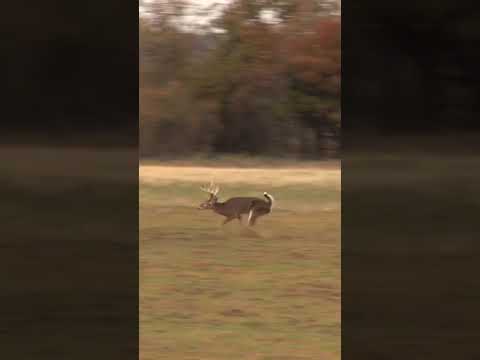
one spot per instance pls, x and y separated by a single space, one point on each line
213 293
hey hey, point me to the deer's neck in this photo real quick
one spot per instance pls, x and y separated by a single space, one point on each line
219 208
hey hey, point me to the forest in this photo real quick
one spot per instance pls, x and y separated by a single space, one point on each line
242 77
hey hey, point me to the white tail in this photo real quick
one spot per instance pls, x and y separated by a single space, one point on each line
270 198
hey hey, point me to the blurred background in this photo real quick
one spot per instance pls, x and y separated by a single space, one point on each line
240 77
245 93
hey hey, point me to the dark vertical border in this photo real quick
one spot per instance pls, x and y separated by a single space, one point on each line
69 181
410 170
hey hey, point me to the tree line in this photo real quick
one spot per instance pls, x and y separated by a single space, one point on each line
261 77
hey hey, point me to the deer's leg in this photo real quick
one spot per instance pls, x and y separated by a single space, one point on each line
255 217
254 220
227 220
258 213
250 216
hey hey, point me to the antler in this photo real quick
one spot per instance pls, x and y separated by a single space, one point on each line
211 189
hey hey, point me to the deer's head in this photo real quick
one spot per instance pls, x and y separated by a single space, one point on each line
212 198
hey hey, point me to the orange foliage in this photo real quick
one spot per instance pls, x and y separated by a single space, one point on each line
315 55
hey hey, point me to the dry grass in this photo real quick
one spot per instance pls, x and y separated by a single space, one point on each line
213 293
264 176
205 292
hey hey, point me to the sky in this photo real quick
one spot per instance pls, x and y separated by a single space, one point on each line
194 18
197 5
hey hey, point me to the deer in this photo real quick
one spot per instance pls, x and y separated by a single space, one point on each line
235 207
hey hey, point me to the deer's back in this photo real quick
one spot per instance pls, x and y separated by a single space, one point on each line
241 205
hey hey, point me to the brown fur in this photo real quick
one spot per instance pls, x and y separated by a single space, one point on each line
235 207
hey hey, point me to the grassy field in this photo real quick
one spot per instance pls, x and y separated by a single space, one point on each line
208 293
213 293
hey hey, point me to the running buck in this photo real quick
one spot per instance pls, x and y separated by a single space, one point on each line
235 207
